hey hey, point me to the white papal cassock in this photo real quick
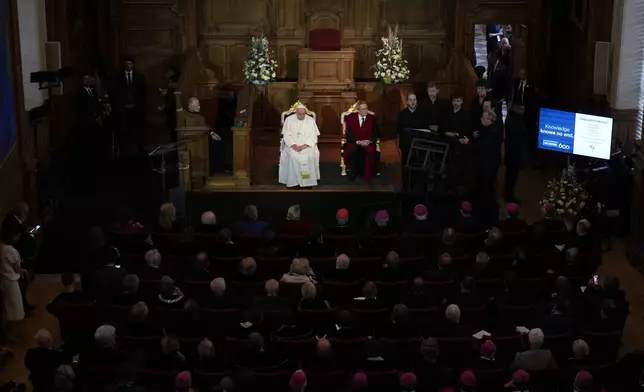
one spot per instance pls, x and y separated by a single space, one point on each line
299 168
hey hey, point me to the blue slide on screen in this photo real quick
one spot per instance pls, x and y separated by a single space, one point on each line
575 133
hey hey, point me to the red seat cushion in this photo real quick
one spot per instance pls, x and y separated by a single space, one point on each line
324 39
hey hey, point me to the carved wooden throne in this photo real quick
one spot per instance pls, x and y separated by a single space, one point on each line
324 65
343 140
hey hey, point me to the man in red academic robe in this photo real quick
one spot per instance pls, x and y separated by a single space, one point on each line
360 155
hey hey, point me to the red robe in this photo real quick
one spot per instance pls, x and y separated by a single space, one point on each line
354 133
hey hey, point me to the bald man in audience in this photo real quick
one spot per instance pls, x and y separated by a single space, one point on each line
369 299
220 298
247 272
208 224
271 301
324 360
343 271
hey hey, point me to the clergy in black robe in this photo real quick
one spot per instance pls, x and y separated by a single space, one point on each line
516 149
488 137
433 108
360 151
457 129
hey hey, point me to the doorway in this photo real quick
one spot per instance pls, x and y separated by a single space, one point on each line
491 40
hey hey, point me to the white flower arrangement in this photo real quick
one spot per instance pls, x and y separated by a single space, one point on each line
390 66
260 64
566 194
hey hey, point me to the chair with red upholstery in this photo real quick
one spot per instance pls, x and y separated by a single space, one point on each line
324 30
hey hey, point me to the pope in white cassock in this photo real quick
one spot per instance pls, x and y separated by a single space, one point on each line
299 154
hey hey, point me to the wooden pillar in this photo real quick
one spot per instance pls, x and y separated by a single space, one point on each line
242 147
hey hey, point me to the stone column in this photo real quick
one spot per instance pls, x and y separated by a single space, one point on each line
627 90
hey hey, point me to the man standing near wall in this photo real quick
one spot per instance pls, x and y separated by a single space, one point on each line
129 93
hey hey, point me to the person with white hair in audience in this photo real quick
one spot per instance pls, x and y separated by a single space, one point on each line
43 360
200 270
391 270
299 272
105 353
219 298
271 301
208 224
64 379
130 292
207 359
247 272
138 324
170 296
494 244
310 298
483 269
369 299
343 271
250 225
152 269
294 224
536 358
452 327
580 356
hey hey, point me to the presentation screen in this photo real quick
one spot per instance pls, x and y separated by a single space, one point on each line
575 133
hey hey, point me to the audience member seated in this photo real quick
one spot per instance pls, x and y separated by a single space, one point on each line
483 269
467 381
465 222
558 322
104 354
170 358
199 272
583 237
369 300
520 381
208 361
493 244
130 294
580 357
443 272
315 247
341 227
486 360
391 270
467 296
298 381
449 244
549 219
249 225
137 325
125 223
382 225
407 382
451 326
419 296
584 382
290 328
310 300
106 282
170 296
375 358
535 359
272 247
251 321
257 358
346 327
421 223
300 272
324 360
513 224
343 271
191 324
152 268
294 225
70 296
220 298
247 272
226 247
428 366
208 224
399 328
43 360
167 220
272 301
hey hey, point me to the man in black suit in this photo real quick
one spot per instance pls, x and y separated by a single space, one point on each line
408 119
516 149
433 108
130 90
342 271
489 138
499 76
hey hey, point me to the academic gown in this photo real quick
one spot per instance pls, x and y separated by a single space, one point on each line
299 168
358 158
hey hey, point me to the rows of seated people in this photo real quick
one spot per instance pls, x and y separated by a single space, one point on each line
445 307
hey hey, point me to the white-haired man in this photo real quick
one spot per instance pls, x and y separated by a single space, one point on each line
152 268
220 298
535 359
208 224
451 327
299 157
342 272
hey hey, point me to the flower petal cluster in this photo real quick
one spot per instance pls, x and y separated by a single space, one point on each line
260 63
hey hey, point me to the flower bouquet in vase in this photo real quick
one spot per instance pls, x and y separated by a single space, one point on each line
260 65
391 66
566 194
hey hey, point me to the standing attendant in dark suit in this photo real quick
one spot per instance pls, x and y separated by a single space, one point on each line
432 108
499 76
130 90
516 149
489 138
457 127
89 140
524 93
360 149
408 119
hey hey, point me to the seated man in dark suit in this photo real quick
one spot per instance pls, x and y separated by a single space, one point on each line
400 327
220 298
199 271
466 223
138 324
250 226
443 272
152 269
483 269
451 326
272 301
225 245
316 247
342 226
468 297
129 294
558 322
535 359
550 220
391 270
419 296
106 282
370 300
70 296
607 321
494 245
422 224
247 272
208 224
513 223
324 360
346 327
375 359
343 271
487 361
257 358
